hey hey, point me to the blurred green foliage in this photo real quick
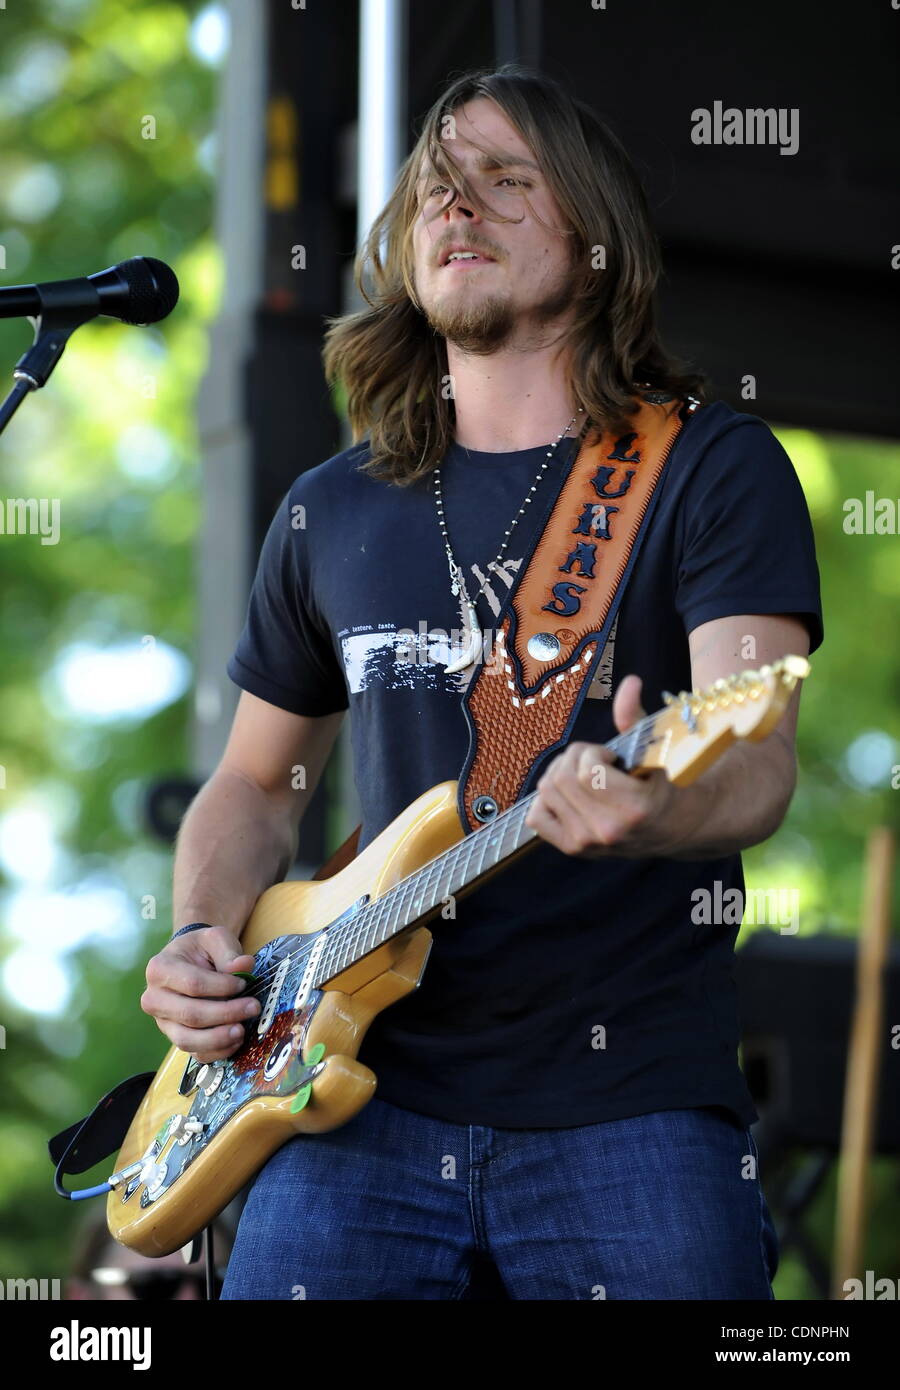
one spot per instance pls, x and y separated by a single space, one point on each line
849 734
113 437
849 755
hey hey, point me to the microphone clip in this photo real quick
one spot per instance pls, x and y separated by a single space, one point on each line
61 313
63 309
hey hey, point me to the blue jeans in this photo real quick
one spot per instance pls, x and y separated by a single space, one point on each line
397 1205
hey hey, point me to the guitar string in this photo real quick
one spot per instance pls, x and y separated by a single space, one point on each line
362 922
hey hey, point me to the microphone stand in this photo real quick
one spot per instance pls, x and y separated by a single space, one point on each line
62 311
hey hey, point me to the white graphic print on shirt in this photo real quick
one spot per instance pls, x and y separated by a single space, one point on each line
416 657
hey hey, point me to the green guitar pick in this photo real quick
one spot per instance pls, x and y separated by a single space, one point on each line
301 1098
314 1055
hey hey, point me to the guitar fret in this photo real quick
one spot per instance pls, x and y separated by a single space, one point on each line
485 835
434 872
511 829
419 909
371 932
394 926
454 876
407 896
328 962
469 852
436 895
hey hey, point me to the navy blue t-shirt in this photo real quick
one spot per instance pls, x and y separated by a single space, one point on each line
566 991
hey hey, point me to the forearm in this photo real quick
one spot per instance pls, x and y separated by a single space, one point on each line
234 842
738 802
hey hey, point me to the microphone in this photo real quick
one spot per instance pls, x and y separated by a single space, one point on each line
139 291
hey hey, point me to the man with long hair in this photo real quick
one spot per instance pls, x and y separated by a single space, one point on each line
560 1112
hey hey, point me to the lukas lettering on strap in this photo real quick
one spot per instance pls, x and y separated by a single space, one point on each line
523 699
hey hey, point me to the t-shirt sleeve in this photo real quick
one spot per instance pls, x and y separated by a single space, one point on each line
284 654
747 539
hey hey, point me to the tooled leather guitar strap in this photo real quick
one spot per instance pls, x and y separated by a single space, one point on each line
521 703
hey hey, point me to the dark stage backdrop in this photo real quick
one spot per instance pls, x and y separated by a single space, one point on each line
778 265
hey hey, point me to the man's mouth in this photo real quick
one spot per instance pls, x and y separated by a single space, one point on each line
464 258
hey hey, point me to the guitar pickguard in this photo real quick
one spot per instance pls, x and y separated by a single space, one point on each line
269 1063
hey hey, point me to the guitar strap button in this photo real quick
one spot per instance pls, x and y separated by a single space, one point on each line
484 808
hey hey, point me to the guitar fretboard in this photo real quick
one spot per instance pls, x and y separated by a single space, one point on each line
456 871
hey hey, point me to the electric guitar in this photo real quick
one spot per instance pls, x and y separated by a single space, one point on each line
332 952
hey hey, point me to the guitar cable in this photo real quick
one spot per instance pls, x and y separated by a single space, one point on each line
99 1134
80 1194
114 1180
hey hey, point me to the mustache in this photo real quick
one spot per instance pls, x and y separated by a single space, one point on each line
469 245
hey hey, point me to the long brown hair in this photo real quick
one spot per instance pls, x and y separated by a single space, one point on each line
389 362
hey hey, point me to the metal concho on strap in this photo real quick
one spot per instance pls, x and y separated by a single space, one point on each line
522 702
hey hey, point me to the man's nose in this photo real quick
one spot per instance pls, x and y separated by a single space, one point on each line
461 209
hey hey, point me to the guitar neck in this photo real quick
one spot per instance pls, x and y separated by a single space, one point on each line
457 871
683 739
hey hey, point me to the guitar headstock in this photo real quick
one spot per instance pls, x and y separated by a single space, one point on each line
695 727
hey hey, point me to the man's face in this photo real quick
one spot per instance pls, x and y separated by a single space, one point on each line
522 280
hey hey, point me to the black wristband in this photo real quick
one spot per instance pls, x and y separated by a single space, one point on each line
191 926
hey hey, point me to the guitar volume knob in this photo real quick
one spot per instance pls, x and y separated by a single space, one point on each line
153 1175
213 1081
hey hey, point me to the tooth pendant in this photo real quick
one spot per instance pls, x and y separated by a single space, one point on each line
472 647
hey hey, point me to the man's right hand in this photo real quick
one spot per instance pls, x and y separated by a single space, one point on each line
193 993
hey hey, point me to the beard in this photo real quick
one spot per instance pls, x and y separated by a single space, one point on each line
479 327
484 323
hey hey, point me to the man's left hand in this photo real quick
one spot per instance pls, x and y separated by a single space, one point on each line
586 806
